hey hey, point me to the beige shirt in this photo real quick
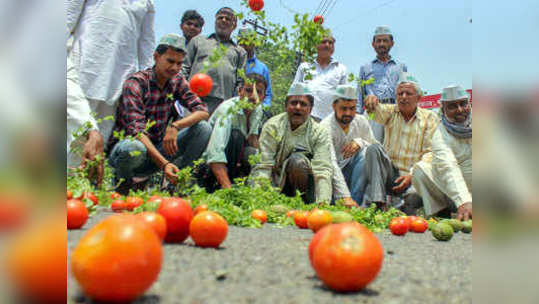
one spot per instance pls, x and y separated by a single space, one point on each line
406 143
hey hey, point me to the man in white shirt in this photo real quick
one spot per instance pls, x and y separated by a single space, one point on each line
350 135
109 40
322 76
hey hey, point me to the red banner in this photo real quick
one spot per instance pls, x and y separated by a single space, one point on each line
431 101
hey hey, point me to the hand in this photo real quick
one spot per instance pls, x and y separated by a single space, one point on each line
403 182
371 102
170 145
350 149
252 140
92 148
464 211
170 171
349 202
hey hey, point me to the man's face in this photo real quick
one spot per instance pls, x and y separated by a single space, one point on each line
169 64
345 110
407 98
382 44
457 110
298 108
191 28
225 23
247 91
326 47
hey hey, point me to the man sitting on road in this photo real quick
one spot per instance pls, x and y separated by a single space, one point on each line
295 150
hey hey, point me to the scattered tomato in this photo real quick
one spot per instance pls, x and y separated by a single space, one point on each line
300 218
409 220
419 225
256 5
90 196
132 202
291 213
77 214
318 19
208 229
318 219
156 221
69 194
260 215
178 215
155 199
398 226
200 208
118 206
347 257
201 84
115 195
314 241
117 260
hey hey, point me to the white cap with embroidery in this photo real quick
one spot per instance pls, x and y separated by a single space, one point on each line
382 30
454 92
345 91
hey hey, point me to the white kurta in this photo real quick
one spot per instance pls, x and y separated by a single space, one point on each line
110 40
448 176
360 132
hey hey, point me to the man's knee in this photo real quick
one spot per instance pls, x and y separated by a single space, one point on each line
373 151
128 151
298 169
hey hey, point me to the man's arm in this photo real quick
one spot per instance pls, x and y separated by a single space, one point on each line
170 144
300 73
215 152
322 167
169 169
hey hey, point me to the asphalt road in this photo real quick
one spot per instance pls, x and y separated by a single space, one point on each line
271 265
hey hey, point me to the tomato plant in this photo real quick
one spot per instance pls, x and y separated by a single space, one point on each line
260 215
398 226
208 229
77 214
201 84
318 219
178 215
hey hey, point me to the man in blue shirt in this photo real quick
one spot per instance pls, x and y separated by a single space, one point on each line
384 70
254 65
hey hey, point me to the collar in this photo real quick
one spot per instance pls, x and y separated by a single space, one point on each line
214 36
419 112
331 61
252 59
390 60
153 78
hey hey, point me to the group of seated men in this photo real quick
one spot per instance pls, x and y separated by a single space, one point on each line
425 158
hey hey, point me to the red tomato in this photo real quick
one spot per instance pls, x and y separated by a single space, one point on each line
90 196
178 215
69 194
155 198
117 260
419 225
318 19
208 229
347 257
256 5
115 195
398 226
118 206
260 215
314 241
77 214
318 219
13 213
132 202
200 208
300 218
201 84
409 220
291 213
156 221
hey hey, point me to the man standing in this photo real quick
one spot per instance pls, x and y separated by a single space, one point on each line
350 134
148 97
446 182
235 134
295 151
109 40
326 74
385 71
191 25
225 76
408 135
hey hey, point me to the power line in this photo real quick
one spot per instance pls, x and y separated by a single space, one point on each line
324 6
318 7
331 9
327 7
367 12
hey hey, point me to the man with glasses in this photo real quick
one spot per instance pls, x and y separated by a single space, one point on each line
191 25
295 150
225 76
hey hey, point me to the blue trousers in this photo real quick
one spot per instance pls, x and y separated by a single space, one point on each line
354 176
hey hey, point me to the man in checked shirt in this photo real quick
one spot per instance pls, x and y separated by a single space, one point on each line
152 95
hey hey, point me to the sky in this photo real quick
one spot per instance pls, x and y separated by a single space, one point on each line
433 38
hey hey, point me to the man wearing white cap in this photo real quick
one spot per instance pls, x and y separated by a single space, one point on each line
446 182
295 150
408 135
385 71
350 134
322 76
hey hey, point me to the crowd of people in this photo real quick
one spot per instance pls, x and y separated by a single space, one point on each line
363 144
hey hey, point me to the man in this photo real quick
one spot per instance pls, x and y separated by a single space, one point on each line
408 135
385 71
225 76
326 74
446 182
295 151
350 134
235 133
253 64
191 25
109 40
149 97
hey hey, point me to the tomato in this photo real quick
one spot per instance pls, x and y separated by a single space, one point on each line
117 260
419 225
314 241
156 221
118 206
132 202
90 196
398 226
347 257
208 229
69 194
291 213
318 219
155 198
178 215
256 5
200 208
115 195
13 213
300 218
260 215
77 214
201 84
409 220
318 19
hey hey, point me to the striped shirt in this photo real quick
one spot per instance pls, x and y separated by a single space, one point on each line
406 142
